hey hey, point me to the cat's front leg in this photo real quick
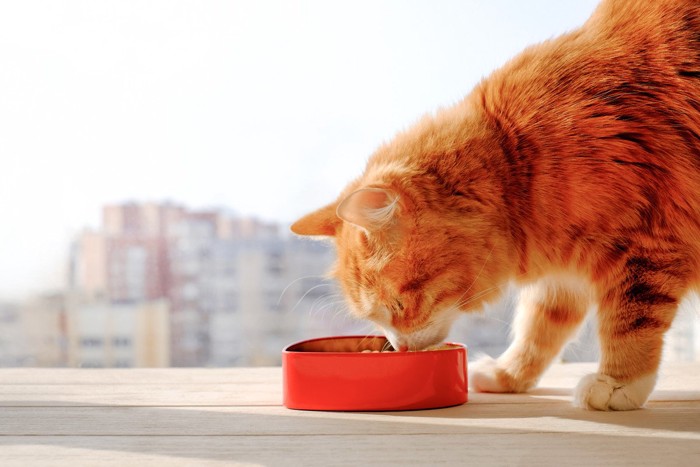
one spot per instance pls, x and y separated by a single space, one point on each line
633 317
547 315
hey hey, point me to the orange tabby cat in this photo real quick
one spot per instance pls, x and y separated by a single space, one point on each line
573 170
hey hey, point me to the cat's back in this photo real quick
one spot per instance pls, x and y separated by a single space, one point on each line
666 29
631 71
608 117
648 56
648 78
636 16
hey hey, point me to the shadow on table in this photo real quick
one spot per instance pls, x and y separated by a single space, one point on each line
673 411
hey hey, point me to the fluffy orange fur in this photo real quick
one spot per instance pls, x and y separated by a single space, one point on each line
574 170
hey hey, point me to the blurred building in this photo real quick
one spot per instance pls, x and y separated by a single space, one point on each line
14 349
101 334
682 341
45 331
235 290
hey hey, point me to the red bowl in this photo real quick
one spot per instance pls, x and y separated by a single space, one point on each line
333 373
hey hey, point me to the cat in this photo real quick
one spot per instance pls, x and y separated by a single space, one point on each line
574 171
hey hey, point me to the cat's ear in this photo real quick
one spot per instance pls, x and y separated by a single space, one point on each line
369 208
323 221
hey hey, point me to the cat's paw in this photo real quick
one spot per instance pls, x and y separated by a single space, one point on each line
484 376
602 392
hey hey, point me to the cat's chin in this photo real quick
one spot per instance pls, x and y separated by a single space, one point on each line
417 340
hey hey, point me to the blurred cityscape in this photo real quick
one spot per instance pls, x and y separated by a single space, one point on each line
161 285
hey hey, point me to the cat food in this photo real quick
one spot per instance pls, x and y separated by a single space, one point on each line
431 348
439 347
363 373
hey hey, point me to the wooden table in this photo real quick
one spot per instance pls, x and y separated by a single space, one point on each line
234 416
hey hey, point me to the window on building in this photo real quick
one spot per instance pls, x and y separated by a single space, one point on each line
91 342
121 341
92 364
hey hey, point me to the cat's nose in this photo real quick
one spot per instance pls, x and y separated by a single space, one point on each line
403 348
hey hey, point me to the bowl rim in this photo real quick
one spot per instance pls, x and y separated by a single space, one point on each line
456 346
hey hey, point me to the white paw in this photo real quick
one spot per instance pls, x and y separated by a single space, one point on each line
483 376
602 392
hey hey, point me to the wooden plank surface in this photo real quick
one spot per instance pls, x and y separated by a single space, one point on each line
234 417
258 386
661 419
135 376
522 449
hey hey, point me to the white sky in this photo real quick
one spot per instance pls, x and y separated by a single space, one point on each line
264 107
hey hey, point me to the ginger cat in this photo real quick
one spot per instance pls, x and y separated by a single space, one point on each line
574 170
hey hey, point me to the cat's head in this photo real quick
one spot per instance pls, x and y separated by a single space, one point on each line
418 239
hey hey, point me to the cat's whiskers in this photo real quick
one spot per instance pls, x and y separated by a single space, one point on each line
336 305
326 296
324 302
306 293
459 304
279 300
330 301
477 276
364 339
340 310
479 295
386 346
